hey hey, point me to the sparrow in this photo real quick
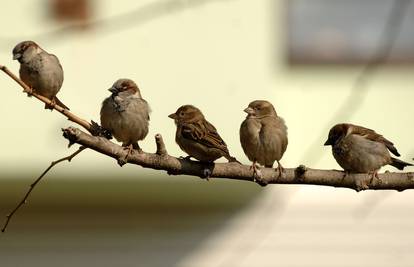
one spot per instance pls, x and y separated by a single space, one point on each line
263 136
125 114
361 150
40 70
198 137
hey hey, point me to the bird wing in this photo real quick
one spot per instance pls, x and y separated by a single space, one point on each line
373 136
205 133
148 108
54 59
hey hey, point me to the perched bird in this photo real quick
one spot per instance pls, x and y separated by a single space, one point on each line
197 137
361 150
125 114
40 70
263 135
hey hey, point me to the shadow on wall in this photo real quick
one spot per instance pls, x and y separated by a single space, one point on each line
105 222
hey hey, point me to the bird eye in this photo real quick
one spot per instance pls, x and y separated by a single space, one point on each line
181 114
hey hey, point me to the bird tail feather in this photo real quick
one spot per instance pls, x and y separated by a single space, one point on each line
232 159
58 102
399 164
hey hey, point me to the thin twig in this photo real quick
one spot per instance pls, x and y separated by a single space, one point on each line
26 89
32 186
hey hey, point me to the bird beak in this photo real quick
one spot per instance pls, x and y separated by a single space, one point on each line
17 56
172 116
327 143
113 90
249 110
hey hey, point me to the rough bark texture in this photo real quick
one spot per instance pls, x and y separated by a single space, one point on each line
300 175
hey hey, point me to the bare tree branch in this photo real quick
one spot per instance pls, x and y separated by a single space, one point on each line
177 166
32 186
236 171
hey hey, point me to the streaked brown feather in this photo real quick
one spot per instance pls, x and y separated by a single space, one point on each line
373 136
205 133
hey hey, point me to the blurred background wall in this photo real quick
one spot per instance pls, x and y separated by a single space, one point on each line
218 55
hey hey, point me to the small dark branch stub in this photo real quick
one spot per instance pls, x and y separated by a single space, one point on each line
300 172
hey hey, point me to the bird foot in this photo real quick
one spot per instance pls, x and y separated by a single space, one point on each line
137 148
29 92
185 158
257 175
361 184
124 160
372 175
280 170
207 173
346 174
51 105
365 183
